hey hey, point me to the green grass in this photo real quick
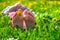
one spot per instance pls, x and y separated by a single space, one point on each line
47 15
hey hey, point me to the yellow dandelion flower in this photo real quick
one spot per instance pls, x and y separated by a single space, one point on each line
4 4
57 11
58 2
0 12
42 2
51 3
20 0
29 5
54 19
34 3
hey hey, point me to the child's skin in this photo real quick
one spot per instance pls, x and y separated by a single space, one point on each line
20 16
22 19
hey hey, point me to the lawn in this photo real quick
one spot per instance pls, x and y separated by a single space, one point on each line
47 15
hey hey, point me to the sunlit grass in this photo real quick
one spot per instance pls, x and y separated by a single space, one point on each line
47 15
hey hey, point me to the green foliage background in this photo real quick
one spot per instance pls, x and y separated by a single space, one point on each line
47 15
